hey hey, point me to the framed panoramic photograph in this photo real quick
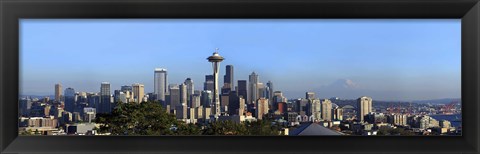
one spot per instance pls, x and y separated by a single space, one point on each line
276 76
318 77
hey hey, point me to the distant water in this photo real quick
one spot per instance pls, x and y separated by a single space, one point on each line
455 119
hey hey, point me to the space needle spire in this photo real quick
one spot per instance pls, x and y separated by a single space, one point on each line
215 59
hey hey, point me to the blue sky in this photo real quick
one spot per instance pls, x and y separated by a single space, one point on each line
385 59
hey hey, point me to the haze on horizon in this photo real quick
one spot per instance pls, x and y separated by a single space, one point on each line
386 59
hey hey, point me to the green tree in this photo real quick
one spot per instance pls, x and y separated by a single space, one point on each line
245 128
261 127
146 118
404 132
188 129
149 118
225 128
394 131
383 131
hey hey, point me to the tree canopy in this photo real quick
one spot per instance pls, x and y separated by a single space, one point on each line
149 118
394 131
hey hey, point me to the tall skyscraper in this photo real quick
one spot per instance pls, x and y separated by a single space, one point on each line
183 94
310 95
174 90
252 88
70 99
262 108
160 84
138 92
215 59
228 82
195 101
364 106
261 90
190 90
233 103
270 90
314 106
241 107
224 102
58 92
105 96
327 110
208 84
242 88
206 98
105 88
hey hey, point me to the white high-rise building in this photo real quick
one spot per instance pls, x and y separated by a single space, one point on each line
160 84
262 108
364 106
190 89
241 106
138 92
315 108
183 94
327 110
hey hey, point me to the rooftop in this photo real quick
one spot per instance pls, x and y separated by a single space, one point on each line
312 129
160 69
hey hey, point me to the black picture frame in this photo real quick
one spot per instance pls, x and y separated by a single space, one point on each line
13 10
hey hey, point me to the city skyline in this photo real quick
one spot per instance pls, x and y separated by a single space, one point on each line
361 78
187 112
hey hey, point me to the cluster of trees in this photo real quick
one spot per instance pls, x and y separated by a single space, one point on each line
394 131
246 128
149 118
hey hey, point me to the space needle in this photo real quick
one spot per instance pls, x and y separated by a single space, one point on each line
215 59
